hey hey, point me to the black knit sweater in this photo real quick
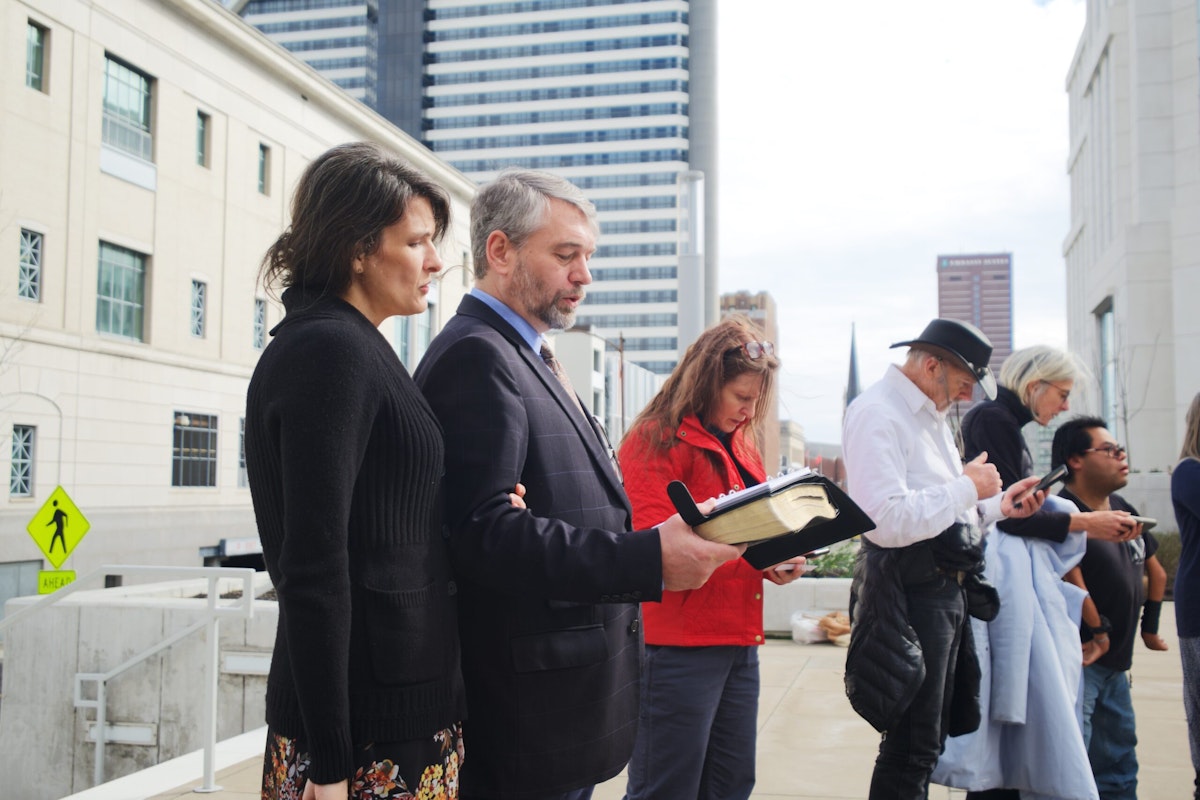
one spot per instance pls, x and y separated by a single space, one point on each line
345 461
994 427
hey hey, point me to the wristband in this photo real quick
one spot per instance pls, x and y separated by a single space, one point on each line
1150 614
1088 632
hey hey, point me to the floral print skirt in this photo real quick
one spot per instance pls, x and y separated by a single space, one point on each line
420 769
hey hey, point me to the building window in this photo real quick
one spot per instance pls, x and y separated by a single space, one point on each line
260 323
424 323
127 110
202 138
29 274
20 482
632 273
1107 337
194 457
400 339
243 479
264 168
620 298
35 56
120 292
199 293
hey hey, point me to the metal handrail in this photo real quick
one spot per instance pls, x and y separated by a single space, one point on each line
243 606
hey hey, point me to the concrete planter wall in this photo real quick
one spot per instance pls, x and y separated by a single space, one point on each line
44 748
817 596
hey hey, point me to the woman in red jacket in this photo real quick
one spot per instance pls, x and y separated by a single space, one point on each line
696 731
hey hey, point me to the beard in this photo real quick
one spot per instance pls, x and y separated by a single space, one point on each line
540 302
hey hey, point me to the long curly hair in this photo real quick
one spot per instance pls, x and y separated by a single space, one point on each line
694 387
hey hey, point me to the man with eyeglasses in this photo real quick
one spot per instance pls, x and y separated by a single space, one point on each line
1111 572
911 670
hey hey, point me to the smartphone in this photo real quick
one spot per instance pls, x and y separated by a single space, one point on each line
1049 479
820 551
1146 522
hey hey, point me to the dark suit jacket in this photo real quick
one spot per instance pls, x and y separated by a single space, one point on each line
548 614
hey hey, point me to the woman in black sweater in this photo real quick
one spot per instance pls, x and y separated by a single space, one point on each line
345 459
1035 384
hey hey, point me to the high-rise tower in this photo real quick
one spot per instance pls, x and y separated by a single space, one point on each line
1132 250
978 289
759 307
338 38
617 96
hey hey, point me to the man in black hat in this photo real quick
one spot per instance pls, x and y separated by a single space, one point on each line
911 670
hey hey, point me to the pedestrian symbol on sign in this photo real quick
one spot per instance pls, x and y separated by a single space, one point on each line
58 527
59 522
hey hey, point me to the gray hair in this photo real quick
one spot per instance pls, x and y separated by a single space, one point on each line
918 353
515 204
1027 367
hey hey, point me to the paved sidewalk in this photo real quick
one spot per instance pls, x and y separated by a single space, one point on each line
812 745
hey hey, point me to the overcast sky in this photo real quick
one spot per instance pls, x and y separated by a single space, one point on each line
859 140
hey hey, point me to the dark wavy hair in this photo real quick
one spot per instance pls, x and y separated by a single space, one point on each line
344 200
694 386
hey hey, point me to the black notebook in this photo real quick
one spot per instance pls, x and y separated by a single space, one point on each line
780 518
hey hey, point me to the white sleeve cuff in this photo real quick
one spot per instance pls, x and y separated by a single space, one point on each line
989 510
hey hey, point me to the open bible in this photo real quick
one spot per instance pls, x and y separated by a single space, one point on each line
783 517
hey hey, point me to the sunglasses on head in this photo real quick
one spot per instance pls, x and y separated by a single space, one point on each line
754 349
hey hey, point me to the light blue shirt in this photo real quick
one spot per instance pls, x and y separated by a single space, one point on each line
1031 735
519 323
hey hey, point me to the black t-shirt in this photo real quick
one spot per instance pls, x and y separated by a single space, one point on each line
1113 574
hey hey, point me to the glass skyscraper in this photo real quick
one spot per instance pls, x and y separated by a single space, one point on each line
338 38
617 96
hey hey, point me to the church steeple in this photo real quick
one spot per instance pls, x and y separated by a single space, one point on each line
852 381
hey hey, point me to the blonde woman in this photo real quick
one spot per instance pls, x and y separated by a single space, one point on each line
1035 386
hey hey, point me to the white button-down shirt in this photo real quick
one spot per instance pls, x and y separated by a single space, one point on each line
902 467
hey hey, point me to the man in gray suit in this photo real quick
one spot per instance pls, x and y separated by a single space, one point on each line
548 595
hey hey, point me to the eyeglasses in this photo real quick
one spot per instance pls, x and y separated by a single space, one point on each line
1110 450
754 349
1062 393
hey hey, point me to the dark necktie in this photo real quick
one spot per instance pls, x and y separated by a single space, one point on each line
557 368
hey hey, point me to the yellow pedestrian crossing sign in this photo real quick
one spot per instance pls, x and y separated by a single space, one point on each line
58 527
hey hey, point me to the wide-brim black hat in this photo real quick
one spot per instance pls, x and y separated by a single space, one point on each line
966 343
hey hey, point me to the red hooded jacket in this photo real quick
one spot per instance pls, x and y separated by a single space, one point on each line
728 609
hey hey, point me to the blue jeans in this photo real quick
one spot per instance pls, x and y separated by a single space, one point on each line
698 724
1108 732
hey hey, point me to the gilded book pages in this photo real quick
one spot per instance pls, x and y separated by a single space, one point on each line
785 511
